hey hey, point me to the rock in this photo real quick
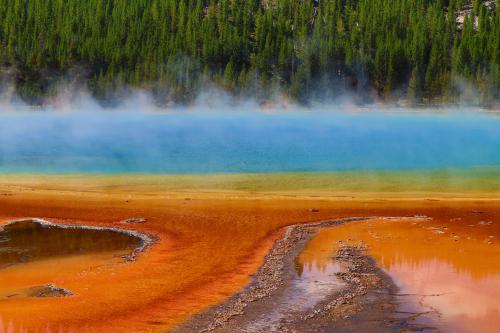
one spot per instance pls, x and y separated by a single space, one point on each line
135 220
314 210
50 290
485 223
438 230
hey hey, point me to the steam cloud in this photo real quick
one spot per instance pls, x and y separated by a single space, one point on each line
73 96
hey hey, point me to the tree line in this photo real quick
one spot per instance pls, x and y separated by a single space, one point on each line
420 51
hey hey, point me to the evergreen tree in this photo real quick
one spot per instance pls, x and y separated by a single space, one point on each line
309 48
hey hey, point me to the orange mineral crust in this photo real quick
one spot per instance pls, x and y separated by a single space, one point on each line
206 246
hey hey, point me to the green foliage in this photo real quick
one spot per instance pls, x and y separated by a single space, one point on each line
308 48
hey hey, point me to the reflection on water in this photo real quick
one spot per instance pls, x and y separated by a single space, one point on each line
448 272
314 283
316 278
28 241
305 291
310 285
38 261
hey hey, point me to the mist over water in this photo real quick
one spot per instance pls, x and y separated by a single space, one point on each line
239 140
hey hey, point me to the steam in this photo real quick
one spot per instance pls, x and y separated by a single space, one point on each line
71 95
72 132
220 134
212 99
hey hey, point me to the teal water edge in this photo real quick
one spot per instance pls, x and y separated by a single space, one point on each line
245 142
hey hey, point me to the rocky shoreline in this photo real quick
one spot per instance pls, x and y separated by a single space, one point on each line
367 302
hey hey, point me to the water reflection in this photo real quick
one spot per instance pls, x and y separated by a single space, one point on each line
9 327
311 284
27 241
314 282
36 259
448 272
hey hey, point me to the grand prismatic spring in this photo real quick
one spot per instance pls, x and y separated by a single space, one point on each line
250 221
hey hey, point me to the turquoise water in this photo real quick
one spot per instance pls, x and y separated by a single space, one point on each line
189 142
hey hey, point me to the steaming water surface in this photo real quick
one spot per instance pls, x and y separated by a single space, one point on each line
111 142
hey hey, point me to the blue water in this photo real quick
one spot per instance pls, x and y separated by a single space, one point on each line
108 142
